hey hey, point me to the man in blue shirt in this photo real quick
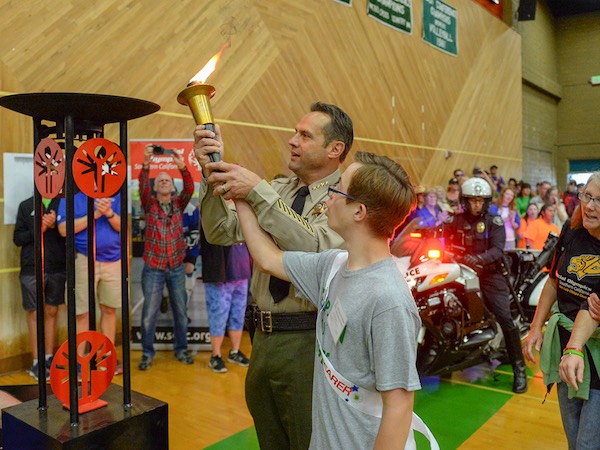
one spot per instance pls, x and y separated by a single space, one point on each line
107 265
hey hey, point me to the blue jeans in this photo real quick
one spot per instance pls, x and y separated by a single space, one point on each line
153 281
580 419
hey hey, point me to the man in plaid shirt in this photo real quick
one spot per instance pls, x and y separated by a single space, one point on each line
164 252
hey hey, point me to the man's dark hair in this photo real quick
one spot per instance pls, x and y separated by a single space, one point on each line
339 129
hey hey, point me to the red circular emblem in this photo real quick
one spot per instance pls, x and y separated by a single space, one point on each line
96 367
49 168
99 168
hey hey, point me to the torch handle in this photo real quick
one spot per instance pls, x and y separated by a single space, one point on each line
216 156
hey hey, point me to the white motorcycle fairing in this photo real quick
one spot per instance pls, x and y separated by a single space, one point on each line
431 273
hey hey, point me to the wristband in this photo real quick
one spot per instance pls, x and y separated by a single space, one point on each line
572 351
574 348
111 216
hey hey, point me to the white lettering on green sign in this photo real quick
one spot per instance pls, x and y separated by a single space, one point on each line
394 13
440 26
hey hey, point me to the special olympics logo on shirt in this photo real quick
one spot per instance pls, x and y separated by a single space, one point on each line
584 265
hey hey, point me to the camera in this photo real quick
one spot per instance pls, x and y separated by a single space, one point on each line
160 150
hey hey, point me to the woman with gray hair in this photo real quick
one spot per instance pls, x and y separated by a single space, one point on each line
571 352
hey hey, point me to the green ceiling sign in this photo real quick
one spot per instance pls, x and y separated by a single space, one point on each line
439 26
394 13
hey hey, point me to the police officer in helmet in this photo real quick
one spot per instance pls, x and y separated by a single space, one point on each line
482 236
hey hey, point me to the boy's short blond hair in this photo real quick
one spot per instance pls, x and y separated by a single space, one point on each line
384 187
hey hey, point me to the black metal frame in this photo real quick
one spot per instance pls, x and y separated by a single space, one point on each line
79 116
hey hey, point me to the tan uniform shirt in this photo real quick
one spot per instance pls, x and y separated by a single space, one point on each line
271 204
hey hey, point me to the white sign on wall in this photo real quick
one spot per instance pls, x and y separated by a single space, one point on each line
18 183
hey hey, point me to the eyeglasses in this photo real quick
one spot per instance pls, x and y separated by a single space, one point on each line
331 191
476 201
586 198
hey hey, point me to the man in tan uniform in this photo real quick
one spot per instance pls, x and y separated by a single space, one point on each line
279 380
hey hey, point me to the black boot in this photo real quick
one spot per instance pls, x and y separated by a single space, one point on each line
515 355
520 378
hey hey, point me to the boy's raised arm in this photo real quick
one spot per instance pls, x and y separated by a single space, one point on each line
267 256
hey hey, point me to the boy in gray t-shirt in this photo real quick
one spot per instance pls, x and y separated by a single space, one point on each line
377 303
365 366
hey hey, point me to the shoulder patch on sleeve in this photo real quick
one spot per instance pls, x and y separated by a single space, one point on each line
498 221
290 212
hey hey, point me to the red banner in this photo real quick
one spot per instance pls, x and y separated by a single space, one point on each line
164 163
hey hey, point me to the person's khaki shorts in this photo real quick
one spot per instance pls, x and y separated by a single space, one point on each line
107 284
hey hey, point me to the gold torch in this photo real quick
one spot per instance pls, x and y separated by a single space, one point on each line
197 96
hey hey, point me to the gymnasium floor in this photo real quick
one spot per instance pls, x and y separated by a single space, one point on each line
480 414
207 410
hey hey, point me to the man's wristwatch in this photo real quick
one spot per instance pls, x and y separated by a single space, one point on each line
111 216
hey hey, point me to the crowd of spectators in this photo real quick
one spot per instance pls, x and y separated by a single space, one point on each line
529 214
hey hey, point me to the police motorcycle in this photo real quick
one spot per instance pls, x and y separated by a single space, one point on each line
457 331
527 272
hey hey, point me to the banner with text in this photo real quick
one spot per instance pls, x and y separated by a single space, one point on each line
394 13
439 26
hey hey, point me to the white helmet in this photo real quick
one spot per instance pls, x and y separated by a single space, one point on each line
476 187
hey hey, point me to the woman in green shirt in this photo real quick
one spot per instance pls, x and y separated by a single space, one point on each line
523 199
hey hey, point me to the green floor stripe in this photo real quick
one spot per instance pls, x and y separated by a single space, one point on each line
244 440
453 411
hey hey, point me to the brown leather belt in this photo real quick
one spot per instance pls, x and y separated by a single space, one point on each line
267 322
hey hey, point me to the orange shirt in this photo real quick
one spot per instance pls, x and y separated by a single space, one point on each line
522 243
538 231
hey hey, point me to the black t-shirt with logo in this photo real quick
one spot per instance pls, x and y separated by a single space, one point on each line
576 268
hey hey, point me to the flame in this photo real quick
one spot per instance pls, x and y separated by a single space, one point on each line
210 66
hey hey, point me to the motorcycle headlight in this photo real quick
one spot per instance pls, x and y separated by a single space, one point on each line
449 329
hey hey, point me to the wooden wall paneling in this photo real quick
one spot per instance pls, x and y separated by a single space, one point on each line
284 55
483 124
14 339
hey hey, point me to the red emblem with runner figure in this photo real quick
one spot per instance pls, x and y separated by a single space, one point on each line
99 168
96 363
49 172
